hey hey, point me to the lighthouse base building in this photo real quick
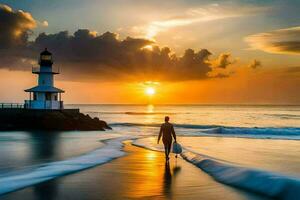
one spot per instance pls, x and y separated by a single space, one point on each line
44 95
44 98
44 110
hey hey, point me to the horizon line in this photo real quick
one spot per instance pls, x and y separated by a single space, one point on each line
185 104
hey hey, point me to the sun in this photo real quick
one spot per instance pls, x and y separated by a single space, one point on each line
150 91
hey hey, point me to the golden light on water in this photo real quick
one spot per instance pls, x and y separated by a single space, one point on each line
150 108
151 155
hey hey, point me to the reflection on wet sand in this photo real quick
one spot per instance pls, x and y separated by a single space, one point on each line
167 181
46 190
45 146
148 177
169 178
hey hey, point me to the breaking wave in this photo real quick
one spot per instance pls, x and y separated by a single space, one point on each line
21 179
215 130
263 182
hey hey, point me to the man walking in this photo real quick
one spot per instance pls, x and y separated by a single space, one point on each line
167 131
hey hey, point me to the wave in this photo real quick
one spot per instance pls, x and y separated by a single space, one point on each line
254 131
192 126
258 181
216 130
284 116
135 113
151 113
21 179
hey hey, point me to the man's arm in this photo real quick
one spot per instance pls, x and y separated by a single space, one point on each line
160 133
173 133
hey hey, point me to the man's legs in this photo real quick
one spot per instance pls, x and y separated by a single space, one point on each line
167 150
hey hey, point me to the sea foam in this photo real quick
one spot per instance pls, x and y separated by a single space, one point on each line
263 182
48 171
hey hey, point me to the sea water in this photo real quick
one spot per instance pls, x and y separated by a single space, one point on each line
265 138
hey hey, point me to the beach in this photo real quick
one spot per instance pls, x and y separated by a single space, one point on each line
141 174
221 160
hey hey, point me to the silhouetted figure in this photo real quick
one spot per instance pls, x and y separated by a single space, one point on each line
167 131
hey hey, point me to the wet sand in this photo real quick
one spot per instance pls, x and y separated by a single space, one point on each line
141 174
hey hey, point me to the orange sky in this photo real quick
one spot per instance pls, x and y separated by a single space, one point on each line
257 87
200 52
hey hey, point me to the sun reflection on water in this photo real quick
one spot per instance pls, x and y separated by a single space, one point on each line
150 108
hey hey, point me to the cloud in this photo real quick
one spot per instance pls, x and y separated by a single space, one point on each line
191 16
255 64
87 55
15 26
222 66
43 23
223 61
106 56
282 41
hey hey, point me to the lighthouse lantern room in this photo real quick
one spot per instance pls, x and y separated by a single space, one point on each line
45 95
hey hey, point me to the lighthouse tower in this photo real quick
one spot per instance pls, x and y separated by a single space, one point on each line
44 95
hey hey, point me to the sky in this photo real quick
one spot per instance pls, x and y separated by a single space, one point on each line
189 52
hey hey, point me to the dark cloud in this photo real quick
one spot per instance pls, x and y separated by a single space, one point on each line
288 46
255 64
85 55
15 27
284 41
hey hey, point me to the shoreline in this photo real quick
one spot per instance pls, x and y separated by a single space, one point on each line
140 174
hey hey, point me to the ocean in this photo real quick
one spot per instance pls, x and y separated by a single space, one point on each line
264 139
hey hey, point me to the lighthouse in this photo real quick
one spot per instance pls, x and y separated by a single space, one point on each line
45 96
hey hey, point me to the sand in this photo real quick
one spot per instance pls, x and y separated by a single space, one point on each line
141 174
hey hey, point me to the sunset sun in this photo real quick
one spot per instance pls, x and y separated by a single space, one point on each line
150 91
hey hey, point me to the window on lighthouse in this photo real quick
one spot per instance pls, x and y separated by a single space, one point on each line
48 96
46 57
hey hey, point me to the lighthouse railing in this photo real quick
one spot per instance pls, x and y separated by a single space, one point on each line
44 105
11 105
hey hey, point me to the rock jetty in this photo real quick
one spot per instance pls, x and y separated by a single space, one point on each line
65 120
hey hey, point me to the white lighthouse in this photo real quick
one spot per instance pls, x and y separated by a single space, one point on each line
45 95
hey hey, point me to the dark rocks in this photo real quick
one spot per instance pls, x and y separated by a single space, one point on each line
69 119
